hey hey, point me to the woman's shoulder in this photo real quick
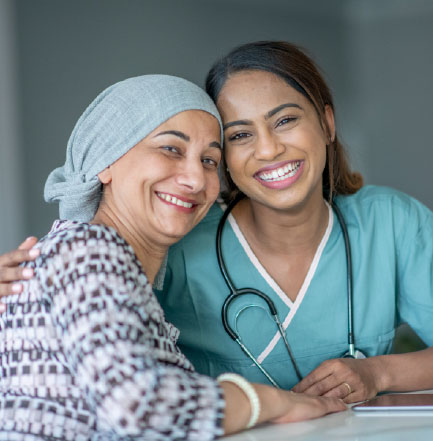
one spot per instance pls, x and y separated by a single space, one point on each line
75 238
381 198
67 232
72 250
377 206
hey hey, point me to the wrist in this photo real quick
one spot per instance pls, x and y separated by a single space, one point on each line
380 372
274 403
249 391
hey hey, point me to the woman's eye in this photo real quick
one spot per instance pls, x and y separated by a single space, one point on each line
210 162
238 136
286 120
171 149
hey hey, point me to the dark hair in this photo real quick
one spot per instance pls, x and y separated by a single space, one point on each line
292 65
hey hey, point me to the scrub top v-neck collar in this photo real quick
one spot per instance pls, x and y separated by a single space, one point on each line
293 306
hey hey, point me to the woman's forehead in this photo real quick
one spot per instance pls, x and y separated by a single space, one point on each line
190 125
249 92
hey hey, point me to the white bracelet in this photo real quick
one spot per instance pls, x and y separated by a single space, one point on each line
248 390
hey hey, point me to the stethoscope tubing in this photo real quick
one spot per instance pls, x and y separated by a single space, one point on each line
349 276
235 293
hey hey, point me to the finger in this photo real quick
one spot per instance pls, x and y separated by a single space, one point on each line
29 243
356 396
341 391
16 257
7 289
323 386
318 374
311 407
334 405
8 275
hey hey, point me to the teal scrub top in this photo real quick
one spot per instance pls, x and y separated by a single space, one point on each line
391 236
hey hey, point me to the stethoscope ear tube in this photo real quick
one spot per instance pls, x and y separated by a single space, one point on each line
350 333
220 257
251 356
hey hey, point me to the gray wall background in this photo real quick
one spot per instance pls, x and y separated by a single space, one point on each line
57 55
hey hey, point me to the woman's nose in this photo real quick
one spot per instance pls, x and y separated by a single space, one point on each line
192 176
267 147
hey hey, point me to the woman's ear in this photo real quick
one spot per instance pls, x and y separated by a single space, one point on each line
329 116
105 176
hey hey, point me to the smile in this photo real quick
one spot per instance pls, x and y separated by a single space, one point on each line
281 173
174 200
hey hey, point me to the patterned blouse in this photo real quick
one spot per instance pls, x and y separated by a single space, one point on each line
85 351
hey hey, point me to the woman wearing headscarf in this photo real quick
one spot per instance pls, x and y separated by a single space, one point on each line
86 352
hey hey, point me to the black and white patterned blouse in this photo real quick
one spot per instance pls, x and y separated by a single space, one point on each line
86 353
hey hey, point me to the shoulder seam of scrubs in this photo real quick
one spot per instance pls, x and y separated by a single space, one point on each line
304 288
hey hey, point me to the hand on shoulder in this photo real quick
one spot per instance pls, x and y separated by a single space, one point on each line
10 271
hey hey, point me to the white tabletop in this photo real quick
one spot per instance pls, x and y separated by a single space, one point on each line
347 426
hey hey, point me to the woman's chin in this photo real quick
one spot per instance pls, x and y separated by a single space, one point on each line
173 233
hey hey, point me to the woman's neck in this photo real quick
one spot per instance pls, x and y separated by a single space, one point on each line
149 253
287 232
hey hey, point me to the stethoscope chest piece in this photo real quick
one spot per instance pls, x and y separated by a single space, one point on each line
234 334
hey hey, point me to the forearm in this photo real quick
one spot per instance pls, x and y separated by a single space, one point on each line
276 406
404 372
238 410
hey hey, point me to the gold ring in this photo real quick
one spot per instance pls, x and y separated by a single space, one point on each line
349 389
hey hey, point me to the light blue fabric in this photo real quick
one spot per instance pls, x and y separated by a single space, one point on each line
119 118
391 236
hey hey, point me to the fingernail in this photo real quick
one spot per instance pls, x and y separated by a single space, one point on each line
27 273
34 252
17 287
2 308
29 238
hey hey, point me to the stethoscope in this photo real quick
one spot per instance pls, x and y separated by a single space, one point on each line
236 293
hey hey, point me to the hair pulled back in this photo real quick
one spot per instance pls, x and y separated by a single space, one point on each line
292 65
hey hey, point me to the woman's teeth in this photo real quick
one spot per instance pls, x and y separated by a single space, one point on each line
174 200
279 174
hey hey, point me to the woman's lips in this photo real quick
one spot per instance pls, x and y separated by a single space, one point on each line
280 176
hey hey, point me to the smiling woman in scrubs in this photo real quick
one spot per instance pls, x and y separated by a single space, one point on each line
282 153
283 238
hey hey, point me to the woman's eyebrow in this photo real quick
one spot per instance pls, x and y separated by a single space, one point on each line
185 137
180 135
215 144
281 107
241 122
247 122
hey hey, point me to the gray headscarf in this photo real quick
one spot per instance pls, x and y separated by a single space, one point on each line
119 118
